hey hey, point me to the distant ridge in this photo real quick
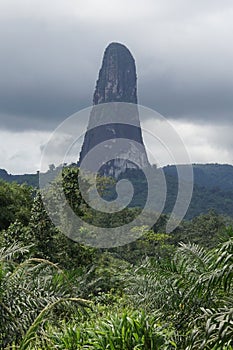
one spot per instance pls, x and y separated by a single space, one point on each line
29 179
213 187
218 176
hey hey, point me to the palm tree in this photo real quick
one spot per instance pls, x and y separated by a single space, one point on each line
29 291
193 292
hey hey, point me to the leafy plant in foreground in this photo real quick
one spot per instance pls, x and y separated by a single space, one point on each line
194 292
114 330
29 291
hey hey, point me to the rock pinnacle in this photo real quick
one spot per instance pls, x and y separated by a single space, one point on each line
110 120
117 80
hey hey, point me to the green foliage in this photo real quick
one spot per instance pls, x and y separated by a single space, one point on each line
154 293
50 243
212 176
16 232
213 189
204 229
42 229
70 185
183 303
104 277
194 292
15 203
29 291
31 331
114 330
150 243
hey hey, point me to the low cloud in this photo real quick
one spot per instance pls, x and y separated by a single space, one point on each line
204 145
209 144
20 152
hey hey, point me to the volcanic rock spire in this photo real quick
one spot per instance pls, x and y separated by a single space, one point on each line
117 80
115 127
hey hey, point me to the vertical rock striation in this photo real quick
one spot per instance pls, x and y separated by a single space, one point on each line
117 80
109 120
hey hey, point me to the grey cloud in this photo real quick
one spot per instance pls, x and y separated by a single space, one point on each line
43 75
192 102
49 63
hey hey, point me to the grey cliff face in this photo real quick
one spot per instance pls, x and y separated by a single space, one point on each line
110 121
117 80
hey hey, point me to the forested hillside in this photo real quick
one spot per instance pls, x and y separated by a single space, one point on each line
211 176
159 292
29 179
213 188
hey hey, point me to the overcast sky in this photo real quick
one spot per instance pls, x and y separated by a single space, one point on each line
51 51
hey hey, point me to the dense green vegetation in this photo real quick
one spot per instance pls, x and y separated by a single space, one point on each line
159 292
218 176
213 188
15 203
